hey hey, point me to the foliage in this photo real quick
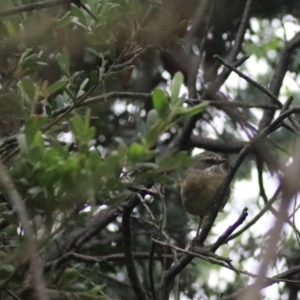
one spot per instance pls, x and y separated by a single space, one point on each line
102 104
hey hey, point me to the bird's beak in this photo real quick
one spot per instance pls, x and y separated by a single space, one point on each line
220 161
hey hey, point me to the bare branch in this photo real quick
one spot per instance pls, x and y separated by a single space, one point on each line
32 6
128 252
221 240
279 74
258 216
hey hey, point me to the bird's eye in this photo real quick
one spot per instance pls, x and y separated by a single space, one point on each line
209 161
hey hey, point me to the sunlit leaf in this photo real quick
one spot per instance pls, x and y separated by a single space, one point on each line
175 87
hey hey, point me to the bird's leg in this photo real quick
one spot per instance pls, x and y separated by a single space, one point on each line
200 223
195 241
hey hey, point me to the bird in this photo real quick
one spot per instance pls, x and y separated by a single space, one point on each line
201 183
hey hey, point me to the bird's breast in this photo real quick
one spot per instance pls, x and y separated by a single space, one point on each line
198 190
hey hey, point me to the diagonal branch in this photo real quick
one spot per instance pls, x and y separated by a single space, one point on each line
18 204
279 74
32 6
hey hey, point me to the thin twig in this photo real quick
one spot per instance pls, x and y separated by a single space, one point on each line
258 86
248 79
203 253
258 216
281 67
221 240
12 294
150 266
237 45
269 281
241 33
207 255
98 259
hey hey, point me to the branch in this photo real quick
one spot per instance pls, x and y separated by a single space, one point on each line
79 237
203 253
241 32
32 6
199 29
16 202
162 222
267 282
258 216
128 253
98 259
107 96
148 96
28 293
216 145
221 240
220 79
207 255
266 91
248 79
279 74
237 45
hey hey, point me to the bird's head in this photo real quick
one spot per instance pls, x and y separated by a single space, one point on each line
209 162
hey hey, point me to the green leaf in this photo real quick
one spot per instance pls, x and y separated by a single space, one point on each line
63 22
175 87
84 83
152 118
39 141
28 87
137 151
32 126
97 289
79 14
190 111
122 148
10 28
69 276
63 60
78 125
160 102
57 86
87 119
81 127
69 93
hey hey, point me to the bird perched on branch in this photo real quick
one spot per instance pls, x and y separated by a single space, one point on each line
201 183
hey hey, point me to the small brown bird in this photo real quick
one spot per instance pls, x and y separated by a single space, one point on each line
200 184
